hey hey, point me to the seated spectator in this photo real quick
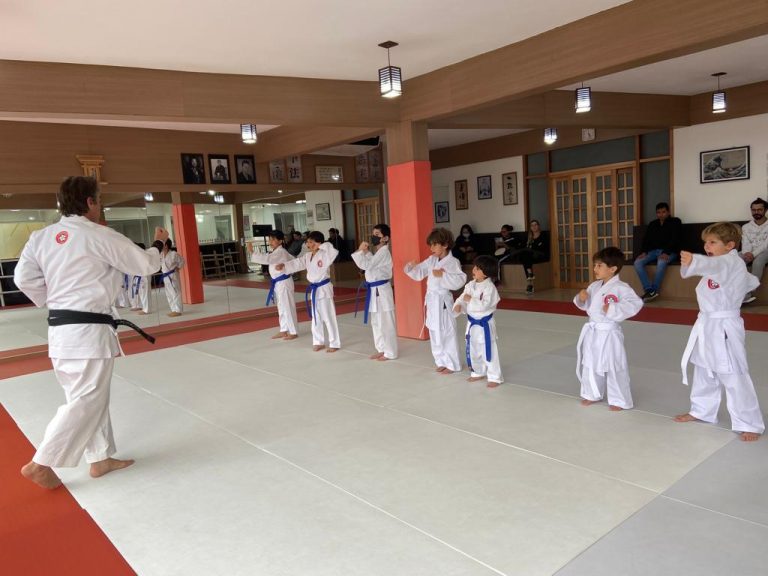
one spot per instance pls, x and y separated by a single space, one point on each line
464 249
661 244
339 243
536 250
505 245
754 242
294 246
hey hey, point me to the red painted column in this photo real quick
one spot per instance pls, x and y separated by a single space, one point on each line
409 186
185 228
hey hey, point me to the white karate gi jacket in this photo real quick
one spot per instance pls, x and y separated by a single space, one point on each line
172 260
77 264
318 267
377 266
601 342
717 340
278 256
439 300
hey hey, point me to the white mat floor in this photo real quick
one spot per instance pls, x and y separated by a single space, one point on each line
260 457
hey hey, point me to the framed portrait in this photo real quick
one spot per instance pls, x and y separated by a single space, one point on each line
362 172
484 188
509 188
329 174
462 194
375 165
441 212
245 169
219 167
724 165
277 171
193 168
295 173
323 211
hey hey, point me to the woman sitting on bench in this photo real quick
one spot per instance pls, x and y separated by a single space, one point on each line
536 251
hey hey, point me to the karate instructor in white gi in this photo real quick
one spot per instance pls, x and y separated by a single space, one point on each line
75 268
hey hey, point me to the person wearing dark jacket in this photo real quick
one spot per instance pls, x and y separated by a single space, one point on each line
661 244
464 249
536 250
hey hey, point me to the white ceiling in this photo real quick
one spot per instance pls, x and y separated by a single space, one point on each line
335 39
329 39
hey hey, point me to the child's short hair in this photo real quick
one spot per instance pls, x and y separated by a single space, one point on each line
316 236
610 256
440 236
488 265
384 229
277 235
169 243
725 231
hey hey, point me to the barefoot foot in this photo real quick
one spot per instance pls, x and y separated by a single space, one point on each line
585 402
289 336
492 384
43 476
440 368
613 408
109 465
685 418
382 358
376 356
475 378
317 347
279 335
332 350
446 371
749 436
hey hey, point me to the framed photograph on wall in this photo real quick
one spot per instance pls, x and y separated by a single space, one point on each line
219 167
245 169
441 212
323 211
295 173
484 188
509 188
329 174
462 194
375 165
724 165
193 168
277 171
362 173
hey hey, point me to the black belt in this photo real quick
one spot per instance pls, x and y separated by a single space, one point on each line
62 317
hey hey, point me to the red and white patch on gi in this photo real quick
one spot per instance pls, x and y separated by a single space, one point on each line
62 237
319 263
712 285
610 298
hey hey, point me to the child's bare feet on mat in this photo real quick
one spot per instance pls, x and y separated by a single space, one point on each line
289 336
685 418
376 356
332 350
475 378
109 465
41 475
585 402
613 408
279 335
317 347
446 371
492 384
749 436
440 368
382 358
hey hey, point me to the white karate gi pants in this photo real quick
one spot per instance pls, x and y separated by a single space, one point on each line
141 300
325 312
286 310
445 349
480 366
173 292
594 386
384 333
82 425
741 400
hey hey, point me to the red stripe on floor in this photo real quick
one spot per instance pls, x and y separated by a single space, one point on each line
46 532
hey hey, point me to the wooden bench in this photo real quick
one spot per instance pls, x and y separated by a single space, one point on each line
513 277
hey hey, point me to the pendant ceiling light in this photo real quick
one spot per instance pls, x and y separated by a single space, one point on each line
718 98
583 99
149 197
248 133
390 77
550 136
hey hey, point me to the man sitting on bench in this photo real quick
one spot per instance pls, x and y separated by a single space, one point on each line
661 244
754 242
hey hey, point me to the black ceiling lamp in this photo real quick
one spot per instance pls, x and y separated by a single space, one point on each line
390 77
718 98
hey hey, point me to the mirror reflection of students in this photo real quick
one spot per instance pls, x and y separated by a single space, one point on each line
171 261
